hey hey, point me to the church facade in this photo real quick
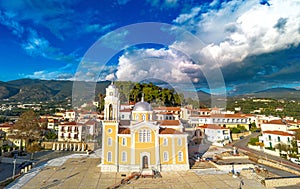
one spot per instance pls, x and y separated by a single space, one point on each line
141 143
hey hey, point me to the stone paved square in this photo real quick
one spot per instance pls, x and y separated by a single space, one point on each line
83 173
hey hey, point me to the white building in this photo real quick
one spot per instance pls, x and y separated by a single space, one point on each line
216 134
71 132
70 115
229 120
275 125
272 138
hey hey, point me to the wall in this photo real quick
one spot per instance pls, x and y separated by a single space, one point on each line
278 166
236 136
258 148
277 182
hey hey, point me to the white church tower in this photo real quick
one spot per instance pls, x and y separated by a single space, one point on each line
112 103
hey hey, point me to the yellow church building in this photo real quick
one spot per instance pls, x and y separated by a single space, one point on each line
141 143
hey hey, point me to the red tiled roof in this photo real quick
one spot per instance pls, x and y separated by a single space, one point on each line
281 133
165 113
6 125
169 122
71 123
168 108
126 110
212 126
277 121
124 131
169 131
204 110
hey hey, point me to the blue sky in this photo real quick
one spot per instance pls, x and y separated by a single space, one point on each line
254 43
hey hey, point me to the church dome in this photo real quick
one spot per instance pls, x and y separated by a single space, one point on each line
142 106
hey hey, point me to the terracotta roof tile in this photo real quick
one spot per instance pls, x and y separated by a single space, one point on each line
168 108
71 123
212 126
126 110
281 133
169 131
277 121
170 122
124 131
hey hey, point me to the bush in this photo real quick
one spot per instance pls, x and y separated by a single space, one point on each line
254 141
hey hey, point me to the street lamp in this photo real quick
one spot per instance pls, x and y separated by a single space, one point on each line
14 170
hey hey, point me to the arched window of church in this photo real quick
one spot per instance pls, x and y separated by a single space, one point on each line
109 158
148 135
165 141
166 156
180 156
179 142
143 117
110 112
144 135
124 156
123 141
109 141
141 135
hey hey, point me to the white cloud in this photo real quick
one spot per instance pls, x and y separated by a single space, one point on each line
162 64
7 19
187 17
244 28
49 75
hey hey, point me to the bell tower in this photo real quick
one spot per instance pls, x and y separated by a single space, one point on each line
112 103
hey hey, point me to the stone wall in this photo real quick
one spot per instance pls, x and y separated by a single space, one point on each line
228 168
278 182
278 166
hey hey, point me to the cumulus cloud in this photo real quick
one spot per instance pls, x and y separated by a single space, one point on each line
239 29
163 64
241 35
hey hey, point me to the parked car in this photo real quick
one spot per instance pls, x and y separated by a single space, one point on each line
295 160
18 153
24 164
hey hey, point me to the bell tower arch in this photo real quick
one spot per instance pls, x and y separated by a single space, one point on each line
112 103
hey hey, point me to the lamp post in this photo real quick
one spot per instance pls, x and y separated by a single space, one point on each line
14 161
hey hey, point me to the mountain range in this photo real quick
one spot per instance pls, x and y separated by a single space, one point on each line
34 90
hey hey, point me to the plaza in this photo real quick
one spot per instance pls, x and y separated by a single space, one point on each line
84 172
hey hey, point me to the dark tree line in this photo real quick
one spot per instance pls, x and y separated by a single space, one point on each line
133 92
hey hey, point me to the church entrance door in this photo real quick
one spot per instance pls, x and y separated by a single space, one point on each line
145 162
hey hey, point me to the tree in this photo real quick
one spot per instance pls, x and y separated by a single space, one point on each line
27 127
297 135
101 102
294 148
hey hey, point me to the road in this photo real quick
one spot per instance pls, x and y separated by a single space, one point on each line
6 169
243 145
